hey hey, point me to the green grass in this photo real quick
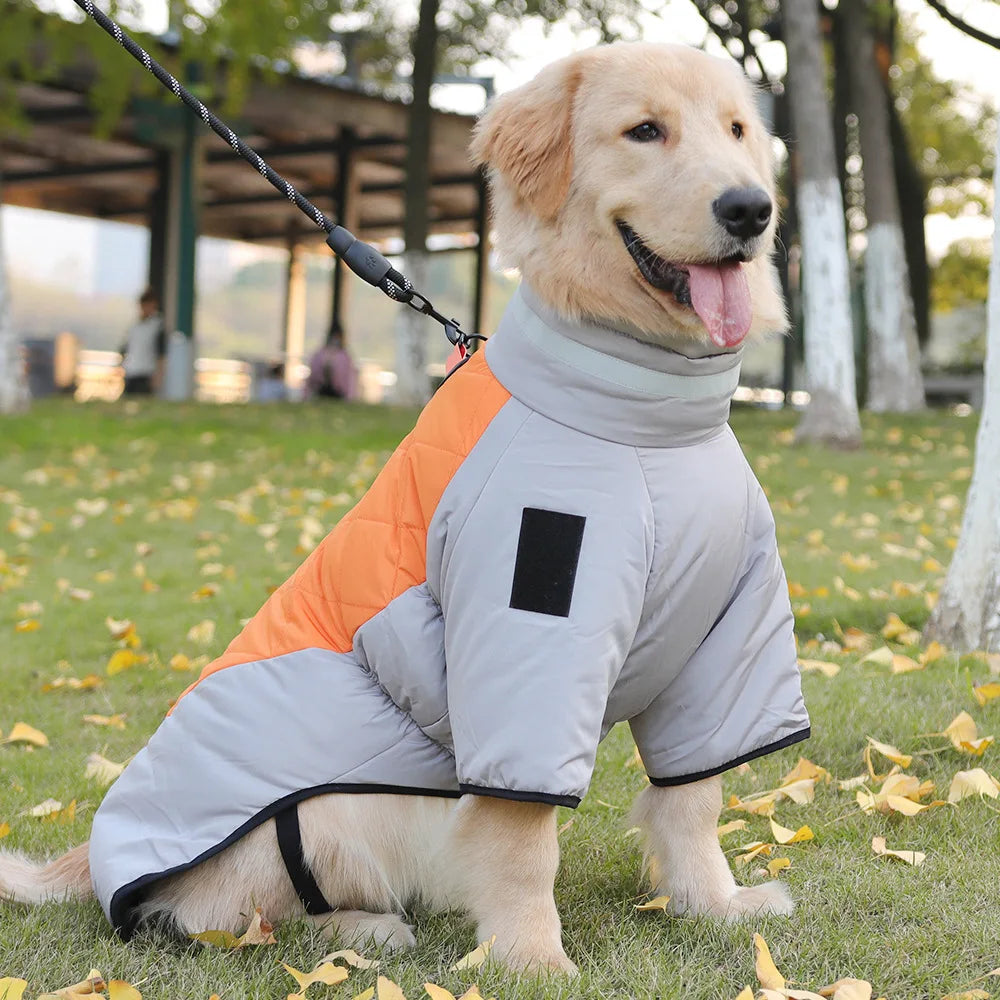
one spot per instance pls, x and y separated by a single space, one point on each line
198 485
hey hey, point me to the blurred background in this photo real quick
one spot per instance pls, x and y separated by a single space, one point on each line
109 185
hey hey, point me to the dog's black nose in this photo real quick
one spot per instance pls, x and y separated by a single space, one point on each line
744 212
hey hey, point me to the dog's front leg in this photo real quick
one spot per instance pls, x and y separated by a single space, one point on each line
679 824
506 856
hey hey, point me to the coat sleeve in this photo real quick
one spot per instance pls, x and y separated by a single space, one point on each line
739 696
542 589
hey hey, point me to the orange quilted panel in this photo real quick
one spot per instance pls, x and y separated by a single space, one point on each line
378 550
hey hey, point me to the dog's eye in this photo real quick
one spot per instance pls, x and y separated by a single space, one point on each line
646 132
737 130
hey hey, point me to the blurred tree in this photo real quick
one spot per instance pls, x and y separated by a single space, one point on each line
895 383
832 414
961 277
14 394
967 614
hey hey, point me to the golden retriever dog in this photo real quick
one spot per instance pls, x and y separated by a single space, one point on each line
633 188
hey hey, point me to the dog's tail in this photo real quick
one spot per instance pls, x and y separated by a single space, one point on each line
25 881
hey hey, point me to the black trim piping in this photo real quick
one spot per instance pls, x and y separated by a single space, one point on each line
122 909
286 827
684 779
571 801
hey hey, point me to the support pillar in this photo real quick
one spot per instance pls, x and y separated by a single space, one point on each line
158 224
295 317
179 284
347 207
482 276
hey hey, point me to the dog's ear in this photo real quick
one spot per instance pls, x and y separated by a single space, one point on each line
526 136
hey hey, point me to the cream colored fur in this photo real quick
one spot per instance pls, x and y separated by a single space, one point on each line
561 174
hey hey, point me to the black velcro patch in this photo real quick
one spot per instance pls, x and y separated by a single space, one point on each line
548 552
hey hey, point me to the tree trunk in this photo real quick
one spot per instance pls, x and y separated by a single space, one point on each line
14 394
832 414
412 384
967 615
895 383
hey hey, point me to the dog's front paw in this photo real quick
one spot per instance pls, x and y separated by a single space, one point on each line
521 959
770 898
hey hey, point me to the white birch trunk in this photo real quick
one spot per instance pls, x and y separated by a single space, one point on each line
967 615
413 387
14 395
832 414
895 383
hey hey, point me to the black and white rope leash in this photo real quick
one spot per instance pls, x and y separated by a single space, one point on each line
364 260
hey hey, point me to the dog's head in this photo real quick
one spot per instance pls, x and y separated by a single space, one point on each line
633 184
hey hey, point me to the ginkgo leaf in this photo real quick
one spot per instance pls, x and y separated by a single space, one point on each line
767 972
848 989
823 667
905 664
848 784
94 983
986 692
46 808
202 633
881 657
119 629
974 782
889 751
87 683
910 857
102 770
386 989
351 957
120 660
801 791
12 989
745 994
260 932
23 733
438 992
759 806
27 625
366 994
777 865
730 827
785 836
973 994
964 735
934 651
4 831
474 958
112 721
326 973
118 989
659 903
805 768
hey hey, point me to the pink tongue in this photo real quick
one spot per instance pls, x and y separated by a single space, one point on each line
721 297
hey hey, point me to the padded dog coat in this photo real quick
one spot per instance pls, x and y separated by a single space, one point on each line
569 538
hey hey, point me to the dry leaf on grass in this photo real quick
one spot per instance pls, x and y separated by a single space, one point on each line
102 770
848 989
753 850
87 683
122 660
730 827
46 808
974 782
23 733
974 994
783 835
767 972
805 768
965 736
986 692
823 667
4 831
11 988
914 858
745 994
118 989
116 721
475 958
777 865
659 903
351 957
366 994
881 657
440 993
94 983
260 932
325 972
886 750
386 989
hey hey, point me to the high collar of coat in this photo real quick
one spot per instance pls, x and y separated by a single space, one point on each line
606 383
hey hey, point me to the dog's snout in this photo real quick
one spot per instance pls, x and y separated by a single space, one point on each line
743 212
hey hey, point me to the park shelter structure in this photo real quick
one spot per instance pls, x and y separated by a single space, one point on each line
341 144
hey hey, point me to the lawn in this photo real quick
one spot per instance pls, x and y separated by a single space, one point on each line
174 516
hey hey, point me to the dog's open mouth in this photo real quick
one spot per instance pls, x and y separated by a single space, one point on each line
717 292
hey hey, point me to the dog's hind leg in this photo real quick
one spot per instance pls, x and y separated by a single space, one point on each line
679 824
505 859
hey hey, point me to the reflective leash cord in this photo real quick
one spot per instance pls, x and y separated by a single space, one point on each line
364 260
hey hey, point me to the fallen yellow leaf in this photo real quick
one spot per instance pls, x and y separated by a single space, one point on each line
974 782
730 827
351 957
202 633
934 651
785 836
881 657
659 903
87 683
27 625
965 737
767 972
888 750
119 628
366 994
46 808
118 989
974 994
914 858
325 973
986 692
777 865
112 721
23 733
121 659
94 983
475 958
388 990
805 768
260 932
102 770
905 664
745 994
848 989
4 831
12 989
823 667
